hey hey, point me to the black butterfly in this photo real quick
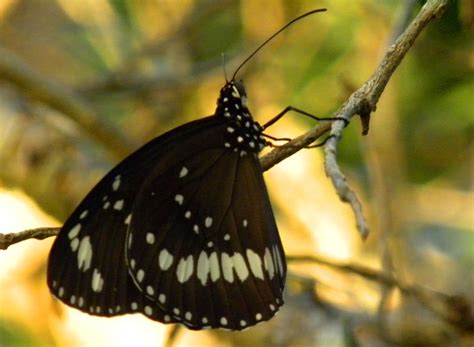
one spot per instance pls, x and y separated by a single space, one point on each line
182 230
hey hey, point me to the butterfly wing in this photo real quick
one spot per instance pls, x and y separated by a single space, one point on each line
86 266
202 241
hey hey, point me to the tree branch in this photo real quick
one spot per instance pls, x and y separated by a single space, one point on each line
362 102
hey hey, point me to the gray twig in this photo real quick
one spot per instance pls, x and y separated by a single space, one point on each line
7 240
363 102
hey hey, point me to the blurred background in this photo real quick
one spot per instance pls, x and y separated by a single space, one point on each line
84 82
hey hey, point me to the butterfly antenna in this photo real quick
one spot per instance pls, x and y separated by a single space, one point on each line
271 37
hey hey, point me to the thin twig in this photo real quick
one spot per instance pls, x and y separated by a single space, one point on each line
7 240
363 102
454 309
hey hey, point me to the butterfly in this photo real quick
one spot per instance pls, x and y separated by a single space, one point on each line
181 231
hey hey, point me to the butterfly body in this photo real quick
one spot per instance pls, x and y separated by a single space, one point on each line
182 230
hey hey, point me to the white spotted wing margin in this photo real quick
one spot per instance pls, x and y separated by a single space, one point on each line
203 242
86 266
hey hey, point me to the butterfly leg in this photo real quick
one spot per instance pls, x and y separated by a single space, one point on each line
271 144
304 113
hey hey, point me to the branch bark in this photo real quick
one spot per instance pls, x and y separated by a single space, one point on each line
362 102
6 240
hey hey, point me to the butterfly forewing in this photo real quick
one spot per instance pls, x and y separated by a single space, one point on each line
86 267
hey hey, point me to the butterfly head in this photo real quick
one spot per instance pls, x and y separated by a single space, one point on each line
233 97
244 135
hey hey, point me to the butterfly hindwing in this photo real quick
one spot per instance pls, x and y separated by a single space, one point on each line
203 245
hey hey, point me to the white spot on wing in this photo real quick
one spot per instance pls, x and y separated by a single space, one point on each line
74 244
240 267
97 281
148 310
258 316
203 268
255 264
128 219
150 290
74 231
268 262
83 214
188 315
214 267
185 269
84 254
187 215
140 275
224 321
165 260
226 237
162 298
179 199
150 238
118 205
116 183
245 223
227 267
184 171
208 222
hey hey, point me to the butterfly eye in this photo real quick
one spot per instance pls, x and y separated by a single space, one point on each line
239 86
